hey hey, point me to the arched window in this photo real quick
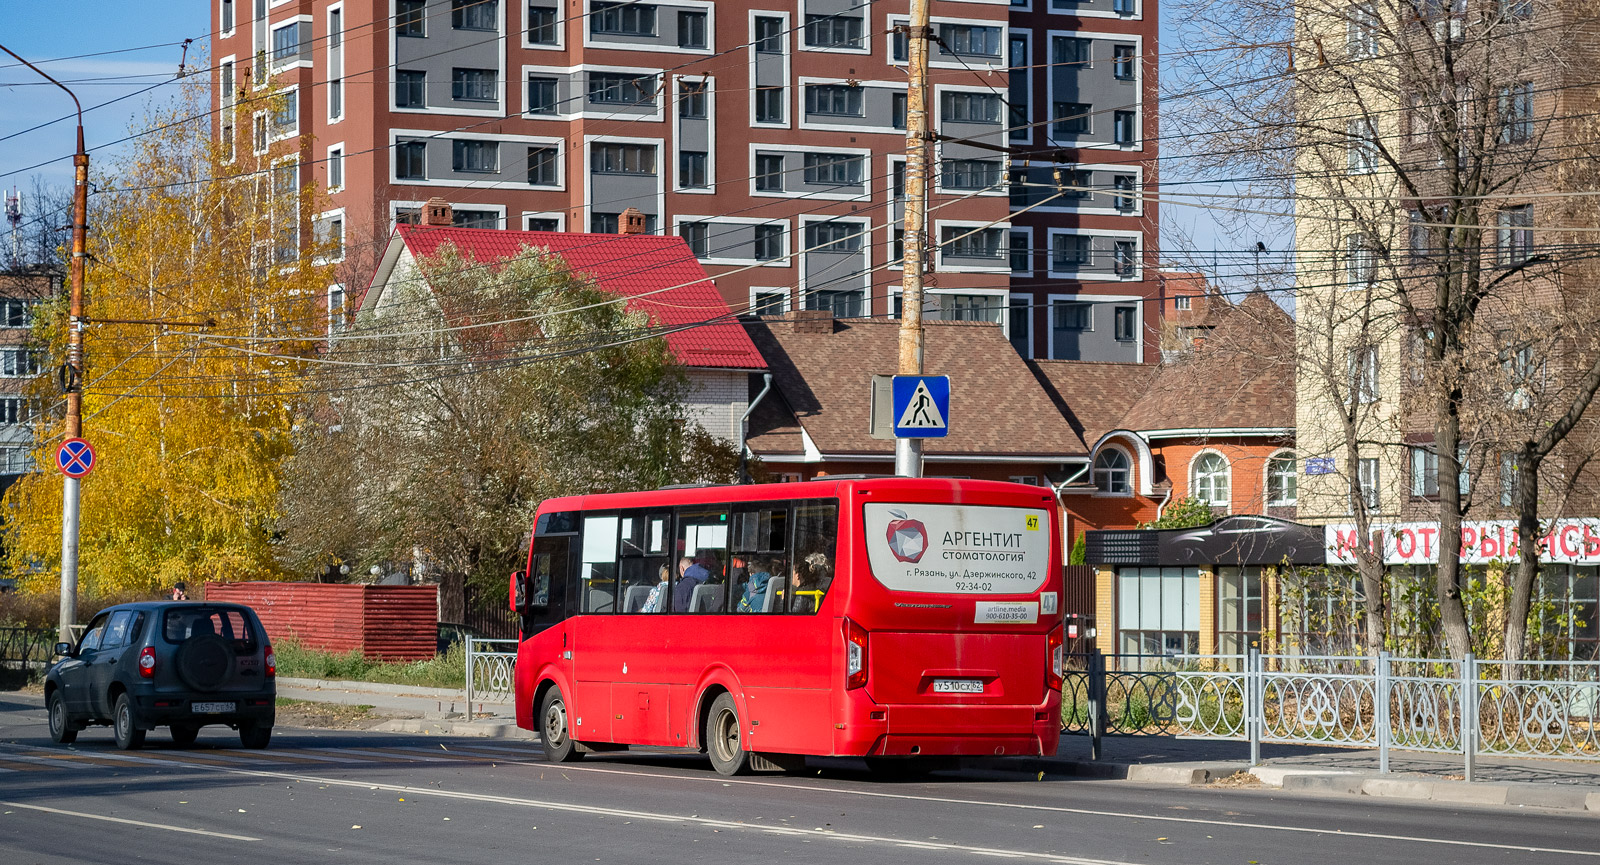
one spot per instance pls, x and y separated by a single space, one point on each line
1209 479
1112 471
1282 479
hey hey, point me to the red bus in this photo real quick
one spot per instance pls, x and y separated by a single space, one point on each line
885 618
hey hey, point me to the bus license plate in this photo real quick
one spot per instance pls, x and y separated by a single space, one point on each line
958 686
213 708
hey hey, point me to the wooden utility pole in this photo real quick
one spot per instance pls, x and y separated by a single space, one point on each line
72 373
908 451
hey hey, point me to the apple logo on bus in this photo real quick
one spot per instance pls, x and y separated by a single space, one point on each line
908 538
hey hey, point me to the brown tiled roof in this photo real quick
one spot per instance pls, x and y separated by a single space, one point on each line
1241 378
1092 396
824 379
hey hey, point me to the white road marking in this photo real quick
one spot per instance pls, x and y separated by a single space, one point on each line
124 820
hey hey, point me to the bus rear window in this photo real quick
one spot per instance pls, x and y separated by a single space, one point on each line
184 622
958 549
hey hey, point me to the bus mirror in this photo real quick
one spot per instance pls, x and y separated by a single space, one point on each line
519 591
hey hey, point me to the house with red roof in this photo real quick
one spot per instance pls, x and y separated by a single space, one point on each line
658 275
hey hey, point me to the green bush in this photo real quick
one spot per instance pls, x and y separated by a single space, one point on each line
448 670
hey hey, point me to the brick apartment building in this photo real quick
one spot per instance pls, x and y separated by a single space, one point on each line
20 364
769 135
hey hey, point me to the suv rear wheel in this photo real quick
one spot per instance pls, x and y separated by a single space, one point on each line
125 726
254 735
183 736
61 730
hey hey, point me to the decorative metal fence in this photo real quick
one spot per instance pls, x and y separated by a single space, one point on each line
1453 706
490 668
25 653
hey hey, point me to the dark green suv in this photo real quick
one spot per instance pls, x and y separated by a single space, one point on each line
179 664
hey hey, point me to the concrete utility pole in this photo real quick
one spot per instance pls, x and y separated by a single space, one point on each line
908 451
72 373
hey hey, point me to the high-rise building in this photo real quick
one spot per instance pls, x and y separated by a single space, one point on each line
770 135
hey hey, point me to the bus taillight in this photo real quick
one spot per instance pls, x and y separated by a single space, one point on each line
855 648
1058 659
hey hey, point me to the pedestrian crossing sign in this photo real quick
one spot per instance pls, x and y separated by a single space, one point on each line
921 406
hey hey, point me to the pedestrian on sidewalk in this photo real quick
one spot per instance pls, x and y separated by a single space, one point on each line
180 592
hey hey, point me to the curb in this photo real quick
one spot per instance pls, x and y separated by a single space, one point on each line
465 729
373 688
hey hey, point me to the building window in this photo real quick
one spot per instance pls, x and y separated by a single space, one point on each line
692 100
1122 193
1070 252
692 30
698 236
1360 262
1361 31
833 237
286 44
1073 316
1125 258
336 310
770 301
1019 323
18 363
1367 482
1113 471
769 172
1510 479
227 16
1181 302
1125 324
1070 50
970 174
541 95
1569 618
1072 118
258 133
971 40
13 409
1424 473
410 160
475 14
1158 611
1361 147
1125 128
1516 112
410 87
901 46
541 223
961 242
462 217
1524 374
614 89
474 85
1282 479
769 243
1021 253
542 23
16 313
410 17
1124 7
769 35
1075 184
1238 610
972 107
692 169
286 114
897 110
837 100
769 104
544 166
1361 367
475 156
833 31
1124 62
1514 234
14 461
832 169
969 307
1209 479
623 158
1516 10
623 19
333 238
336 47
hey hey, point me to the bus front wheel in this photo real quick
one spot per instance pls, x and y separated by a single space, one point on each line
722 737
554 729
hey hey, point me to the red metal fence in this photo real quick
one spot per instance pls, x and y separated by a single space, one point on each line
396 623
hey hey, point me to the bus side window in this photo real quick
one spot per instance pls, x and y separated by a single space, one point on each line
816 536
758 564
642 564
597 591
547 583
700 572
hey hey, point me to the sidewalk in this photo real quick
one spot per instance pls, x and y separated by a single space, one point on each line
433 711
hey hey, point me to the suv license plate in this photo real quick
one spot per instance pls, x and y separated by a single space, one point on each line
958 686
213 708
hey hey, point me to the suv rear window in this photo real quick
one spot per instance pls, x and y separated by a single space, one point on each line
184 622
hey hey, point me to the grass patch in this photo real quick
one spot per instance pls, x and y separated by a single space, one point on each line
445 671
309 713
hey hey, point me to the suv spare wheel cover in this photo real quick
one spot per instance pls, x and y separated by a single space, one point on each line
204 662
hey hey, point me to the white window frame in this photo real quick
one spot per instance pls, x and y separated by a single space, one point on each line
561 30
998 64
710 94
789 40
324 217
497 110
273 65
757 292
1004 265
797 169
1110 274
661 46
1293 474
337 75
1227 479
1106 112
560 216
713 221
479 182
1028 311
329 163
1094 470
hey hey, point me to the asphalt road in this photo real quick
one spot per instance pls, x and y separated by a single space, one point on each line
321 796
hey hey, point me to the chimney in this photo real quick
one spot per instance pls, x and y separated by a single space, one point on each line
438 212
632 222
813 321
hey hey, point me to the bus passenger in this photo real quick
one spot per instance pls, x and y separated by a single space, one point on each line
653 604
810 578
690 574
756 589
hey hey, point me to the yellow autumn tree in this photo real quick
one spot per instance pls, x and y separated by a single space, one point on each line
190 424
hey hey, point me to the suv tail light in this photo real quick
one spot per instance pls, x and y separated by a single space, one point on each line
147 662
272 663
1058 659
855 655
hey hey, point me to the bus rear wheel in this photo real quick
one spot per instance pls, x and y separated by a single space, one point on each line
723 739
554 729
